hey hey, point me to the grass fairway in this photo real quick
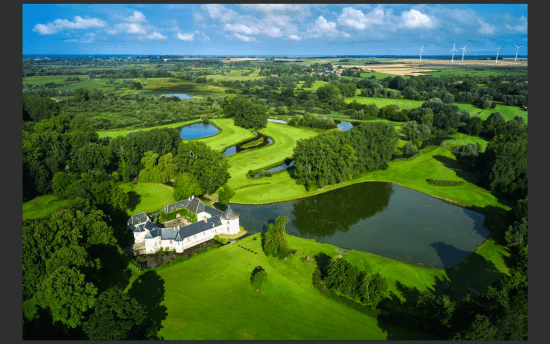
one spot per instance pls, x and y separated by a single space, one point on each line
230 135
124 132
210 297
381 102
433 162
285 138
41 206
147 197
236 75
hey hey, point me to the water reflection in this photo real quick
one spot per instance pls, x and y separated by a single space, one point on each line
198 130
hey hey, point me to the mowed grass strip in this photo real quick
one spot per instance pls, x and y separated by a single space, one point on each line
41 206
210 297
284 138
147 197
230 135
125 132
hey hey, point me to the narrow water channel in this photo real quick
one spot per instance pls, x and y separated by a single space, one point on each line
242 146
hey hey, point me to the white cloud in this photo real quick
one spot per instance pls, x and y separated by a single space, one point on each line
185 36
198 17
464 16
156 35
326 28
217 11
294 37
243 37
241 28
486 28
356 19
522 27
88 38
137 17
415 19
291 9
61 24
133 28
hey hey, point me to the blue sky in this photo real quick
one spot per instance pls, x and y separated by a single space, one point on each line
281 29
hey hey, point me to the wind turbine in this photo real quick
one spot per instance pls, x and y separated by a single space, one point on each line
421 50
517 53
496 60
463 50
453 51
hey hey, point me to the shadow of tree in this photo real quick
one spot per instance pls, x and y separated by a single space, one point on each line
43 327
148 289
474 275
133 200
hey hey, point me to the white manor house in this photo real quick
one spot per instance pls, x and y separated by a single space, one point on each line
210 222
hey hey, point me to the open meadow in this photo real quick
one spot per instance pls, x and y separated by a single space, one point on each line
230 135
192 291
147 197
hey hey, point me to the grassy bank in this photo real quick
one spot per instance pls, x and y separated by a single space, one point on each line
433 162
41 206
284 138
210 297
230 135
124 132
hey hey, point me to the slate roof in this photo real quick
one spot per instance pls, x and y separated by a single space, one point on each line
199 226
149 225
212 211
139 228
229 214
137 218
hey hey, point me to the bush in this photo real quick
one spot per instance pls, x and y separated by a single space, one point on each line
440 182
311 185
251 173
410 148
222 241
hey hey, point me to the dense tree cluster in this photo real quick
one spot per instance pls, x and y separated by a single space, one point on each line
245 112
313 121
36 108
160 172
336 156
208 166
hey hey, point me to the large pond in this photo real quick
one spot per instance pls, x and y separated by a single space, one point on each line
378 217
243 145
179 95
198 130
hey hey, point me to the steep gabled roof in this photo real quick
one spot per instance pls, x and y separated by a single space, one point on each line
212 211
137 218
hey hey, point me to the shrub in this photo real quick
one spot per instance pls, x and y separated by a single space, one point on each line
222 241
251 173
311 185
440 182
409 148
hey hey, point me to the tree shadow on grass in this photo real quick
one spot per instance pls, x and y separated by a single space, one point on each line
149 290
473 275
133 200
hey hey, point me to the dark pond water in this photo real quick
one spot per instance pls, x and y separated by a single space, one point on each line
239 148
377 217
344 125
283 166
179 95
198 130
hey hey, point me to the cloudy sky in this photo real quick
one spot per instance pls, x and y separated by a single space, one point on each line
283 29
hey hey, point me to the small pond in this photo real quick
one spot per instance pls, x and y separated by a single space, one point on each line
242 146
378 217
198 130
179 95
283 166
344 125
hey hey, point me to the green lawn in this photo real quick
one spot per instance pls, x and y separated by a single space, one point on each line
230 134
224 306
41 206
379 75
209 297
316 85
284 138
124 132
147 197
381 102
236 75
